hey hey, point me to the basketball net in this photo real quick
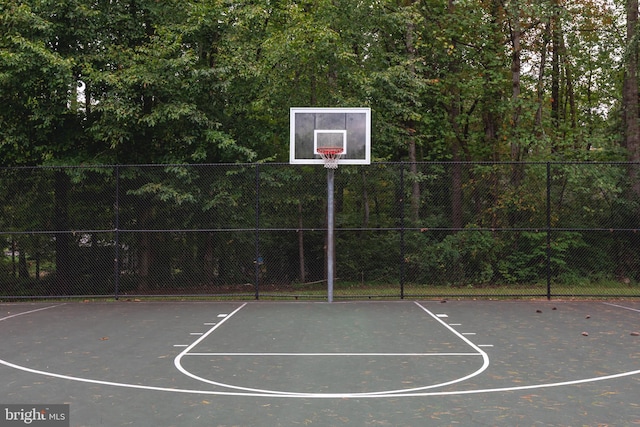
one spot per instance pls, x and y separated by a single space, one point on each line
330 155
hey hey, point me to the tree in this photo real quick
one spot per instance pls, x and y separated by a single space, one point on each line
34 81
630 95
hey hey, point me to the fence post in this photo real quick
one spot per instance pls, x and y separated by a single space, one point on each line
402 248
548 230
256 259
116 226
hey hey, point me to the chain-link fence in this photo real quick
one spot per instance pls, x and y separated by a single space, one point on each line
402 230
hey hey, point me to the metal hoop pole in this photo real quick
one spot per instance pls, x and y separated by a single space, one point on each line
330 241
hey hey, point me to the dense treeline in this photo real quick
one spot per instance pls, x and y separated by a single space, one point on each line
188 82
211 81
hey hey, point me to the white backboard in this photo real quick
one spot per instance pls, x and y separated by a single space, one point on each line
311 128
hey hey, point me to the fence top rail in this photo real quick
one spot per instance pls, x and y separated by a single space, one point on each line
257 164
314 229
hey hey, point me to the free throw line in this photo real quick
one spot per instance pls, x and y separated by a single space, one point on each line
334 354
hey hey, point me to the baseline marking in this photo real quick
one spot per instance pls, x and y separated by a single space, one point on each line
622 306
30 311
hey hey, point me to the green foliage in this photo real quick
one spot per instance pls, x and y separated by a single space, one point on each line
34 80
174 82
464 258
482 258
527 262
367 257
189 82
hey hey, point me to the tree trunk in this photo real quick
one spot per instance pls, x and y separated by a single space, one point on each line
23 271
493 93
555 73
517 169
516 34
630 97
410 128
456 173
366 209
145 252
63 241
209 259
37 265
415 185
570 92
301 261
14 246
540 86
456 187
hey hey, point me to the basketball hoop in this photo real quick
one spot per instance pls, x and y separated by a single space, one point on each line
330 155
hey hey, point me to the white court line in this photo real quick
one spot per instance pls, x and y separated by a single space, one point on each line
622 306
206 334
177 362
334 354
316 396
186 352
479 352
30 311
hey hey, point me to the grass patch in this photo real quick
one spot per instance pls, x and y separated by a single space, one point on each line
344 290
